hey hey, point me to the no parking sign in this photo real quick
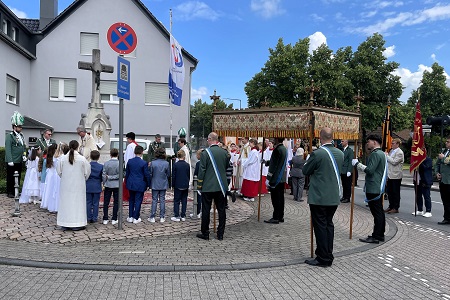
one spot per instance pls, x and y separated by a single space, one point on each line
122 38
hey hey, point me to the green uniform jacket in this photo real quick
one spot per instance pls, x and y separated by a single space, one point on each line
277 164
443 167
42 145
347 164
14 151
323 183
375 171
151 150
207 179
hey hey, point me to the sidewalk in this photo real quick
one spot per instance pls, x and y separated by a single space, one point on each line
407 180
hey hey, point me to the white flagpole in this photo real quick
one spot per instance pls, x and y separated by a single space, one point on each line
171 128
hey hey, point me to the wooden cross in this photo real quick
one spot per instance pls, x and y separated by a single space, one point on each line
358 100
214 98
96 68
311 90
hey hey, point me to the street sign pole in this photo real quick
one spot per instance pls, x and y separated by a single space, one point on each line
120 214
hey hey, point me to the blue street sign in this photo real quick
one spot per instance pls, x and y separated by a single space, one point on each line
123 78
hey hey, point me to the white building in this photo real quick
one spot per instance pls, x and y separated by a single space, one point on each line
40 77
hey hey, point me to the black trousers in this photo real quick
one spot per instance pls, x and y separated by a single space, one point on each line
277 197
393 191
10 177
322 220
219 200
444 190
107 198
379 219
346 186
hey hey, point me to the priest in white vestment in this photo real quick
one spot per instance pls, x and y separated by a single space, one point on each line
74 170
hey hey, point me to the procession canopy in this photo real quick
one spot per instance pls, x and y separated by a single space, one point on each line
288 122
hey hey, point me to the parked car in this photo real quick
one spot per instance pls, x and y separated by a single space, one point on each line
144 143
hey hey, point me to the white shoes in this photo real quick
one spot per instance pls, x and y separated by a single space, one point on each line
162 220
114 222
105 222
199 216
137 221
419 213
183 219
249 199
427 215
151 220
130 220
175 219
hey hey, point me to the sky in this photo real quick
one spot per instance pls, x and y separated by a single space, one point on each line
231 39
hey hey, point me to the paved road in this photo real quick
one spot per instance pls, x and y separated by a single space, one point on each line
255 260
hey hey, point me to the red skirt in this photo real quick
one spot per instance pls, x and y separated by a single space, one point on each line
264 187
250 188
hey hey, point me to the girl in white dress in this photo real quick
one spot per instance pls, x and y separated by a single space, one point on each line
51 186
31 184
54 179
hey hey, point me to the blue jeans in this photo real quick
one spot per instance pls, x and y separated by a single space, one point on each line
180 196
107 199
92 200
161 195
425 191
135 202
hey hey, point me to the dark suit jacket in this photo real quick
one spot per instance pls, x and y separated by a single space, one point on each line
426 172
94 182
137 175
277 164
181 175
347 164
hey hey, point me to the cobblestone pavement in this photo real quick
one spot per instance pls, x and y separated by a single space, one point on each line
254 261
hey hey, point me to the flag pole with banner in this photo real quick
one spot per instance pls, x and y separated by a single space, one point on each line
386 128
418 151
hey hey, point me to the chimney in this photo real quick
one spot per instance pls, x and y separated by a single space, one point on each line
48 11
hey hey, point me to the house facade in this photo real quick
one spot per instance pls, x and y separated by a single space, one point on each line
40 77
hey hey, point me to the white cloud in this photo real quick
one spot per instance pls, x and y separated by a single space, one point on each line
195 10
410 80
315 40
317 18
368 14
198 93
439 47
433 57
18 13
389 52
439 12
267 8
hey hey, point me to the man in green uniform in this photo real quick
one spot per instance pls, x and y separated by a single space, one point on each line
443 174
46 140
376 176
324 167
15 152
212 183
152 149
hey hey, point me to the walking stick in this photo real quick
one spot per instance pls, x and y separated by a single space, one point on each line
352 204
214 214
260 179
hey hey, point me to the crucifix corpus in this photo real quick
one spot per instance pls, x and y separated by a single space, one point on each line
96 68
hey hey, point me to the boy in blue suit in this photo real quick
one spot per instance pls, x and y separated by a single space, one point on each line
180 179
137 179
94 187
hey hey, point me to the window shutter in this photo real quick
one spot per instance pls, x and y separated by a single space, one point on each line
54 88
156 93
88 41
70 88
11 86
108 87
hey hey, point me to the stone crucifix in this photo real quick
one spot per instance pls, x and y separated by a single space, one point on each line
96 68
214 98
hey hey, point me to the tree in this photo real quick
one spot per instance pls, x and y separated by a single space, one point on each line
201 117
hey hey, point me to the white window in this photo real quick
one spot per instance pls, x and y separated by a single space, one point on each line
88 41
63 89
108 92
14 33
12 90
156 93
5 26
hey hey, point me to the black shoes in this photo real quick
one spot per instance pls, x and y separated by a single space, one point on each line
203 236
233 197
272 221
316 263
444 222
345 200
370 240
220 237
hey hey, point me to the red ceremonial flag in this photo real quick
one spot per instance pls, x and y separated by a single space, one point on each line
418 151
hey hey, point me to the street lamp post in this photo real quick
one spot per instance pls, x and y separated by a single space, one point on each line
234 99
